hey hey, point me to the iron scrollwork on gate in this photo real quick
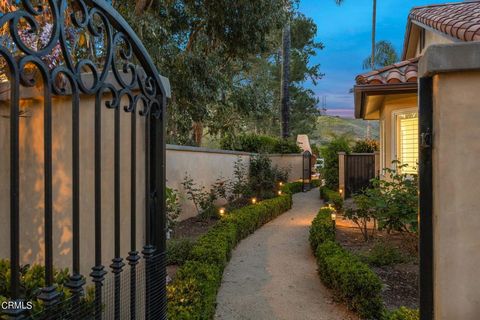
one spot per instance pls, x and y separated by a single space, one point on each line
73 49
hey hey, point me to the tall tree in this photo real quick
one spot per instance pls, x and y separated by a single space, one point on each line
374 25
384 55
285 83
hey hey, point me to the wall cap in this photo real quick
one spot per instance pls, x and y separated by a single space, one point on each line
220 151
440 58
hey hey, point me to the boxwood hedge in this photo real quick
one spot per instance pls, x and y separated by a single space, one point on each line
192 294
352 280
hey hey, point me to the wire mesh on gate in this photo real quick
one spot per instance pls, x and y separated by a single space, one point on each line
142 292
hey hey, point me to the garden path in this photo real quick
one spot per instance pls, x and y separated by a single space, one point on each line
272 273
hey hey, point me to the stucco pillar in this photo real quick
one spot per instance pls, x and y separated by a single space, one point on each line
377 164
455 168
341 173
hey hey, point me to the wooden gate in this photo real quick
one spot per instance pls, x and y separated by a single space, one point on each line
359 170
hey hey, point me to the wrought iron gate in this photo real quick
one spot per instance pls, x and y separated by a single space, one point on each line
72 50
307 171
359 170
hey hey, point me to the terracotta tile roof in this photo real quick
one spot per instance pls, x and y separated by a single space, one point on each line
460 20
400 72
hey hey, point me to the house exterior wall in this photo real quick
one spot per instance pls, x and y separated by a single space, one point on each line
456 172
431 38
392 104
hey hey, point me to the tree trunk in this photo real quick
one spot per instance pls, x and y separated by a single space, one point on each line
374 22
140 6
197 133
285 83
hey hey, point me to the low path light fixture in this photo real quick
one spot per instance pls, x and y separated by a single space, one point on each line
254 200
279 192
333 216
222 212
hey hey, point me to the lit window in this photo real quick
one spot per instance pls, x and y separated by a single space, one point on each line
407 141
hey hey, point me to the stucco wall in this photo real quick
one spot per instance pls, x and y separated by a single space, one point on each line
431 38
456 207
32 182
205 166
391 104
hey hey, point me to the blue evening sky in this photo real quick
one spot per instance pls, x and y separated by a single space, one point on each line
346 32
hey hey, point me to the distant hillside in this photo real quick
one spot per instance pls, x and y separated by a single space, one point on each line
327 126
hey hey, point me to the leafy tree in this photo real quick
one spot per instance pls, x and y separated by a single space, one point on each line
365 146
330 155
385 55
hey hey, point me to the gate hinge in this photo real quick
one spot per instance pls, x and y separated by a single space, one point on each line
426 139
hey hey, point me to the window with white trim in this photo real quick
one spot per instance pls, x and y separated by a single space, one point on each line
407 140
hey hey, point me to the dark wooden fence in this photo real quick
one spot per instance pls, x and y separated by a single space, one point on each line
359 170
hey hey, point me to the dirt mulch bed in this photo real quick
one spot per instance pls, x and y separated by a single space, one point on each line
192 228
400 280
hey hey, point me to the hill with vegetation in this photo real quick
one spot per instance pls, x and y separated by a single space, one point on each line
329 126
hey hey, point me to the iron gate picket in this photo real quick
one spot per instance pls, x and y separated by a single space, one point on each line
359 170
38 51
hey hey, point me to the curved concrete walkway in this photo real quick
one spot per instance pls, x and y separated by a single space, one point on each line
272 274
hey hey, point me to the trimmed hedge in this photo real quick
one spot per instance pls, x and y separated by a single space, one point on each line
192 294
352 280
322 228
292 187
332 197
404 313
259 144
297 186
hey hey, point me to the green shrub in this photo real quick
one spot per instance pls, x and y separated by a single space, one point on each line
173 207
292 187
178 250
383 254
330 155
32 280
352 280
316 183
362 213
395 200
192 294
259 144
264 177
365 146
332 197
404 313
322 228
